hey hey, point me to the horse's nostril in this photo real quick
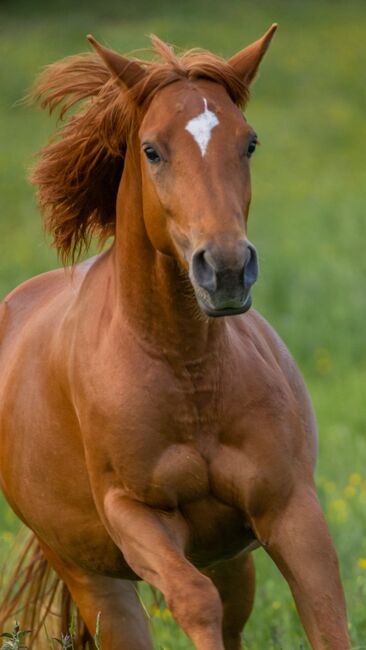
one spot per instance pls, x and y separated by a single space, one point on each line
227 270
203 272
250 267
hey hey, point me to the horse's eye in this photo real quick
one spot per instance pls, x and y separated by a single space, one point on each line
151 154
251 147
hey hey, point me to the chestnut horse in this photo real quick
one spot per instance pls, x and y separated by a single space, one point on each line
143 437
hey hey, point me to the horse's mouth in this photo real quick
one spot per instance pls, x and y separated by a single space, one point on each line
228 308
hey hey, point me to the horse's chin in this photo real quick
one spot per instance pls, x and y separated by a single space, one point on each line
215 312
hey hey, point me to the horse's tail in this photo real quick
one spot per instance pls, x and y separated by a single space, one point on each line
36 596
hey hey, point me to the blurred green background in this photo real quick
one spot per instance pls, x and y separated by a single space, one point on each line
307 221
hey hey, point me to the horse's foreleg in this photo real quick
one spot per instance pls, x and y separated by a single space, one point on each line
299 542
235 581
123 621
153 545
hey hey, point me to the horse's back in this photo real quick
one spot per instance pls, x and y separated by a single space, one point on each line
3 315
27 299
46 295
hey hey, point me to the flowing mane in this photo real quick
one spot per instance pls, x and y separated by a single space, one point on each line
79 171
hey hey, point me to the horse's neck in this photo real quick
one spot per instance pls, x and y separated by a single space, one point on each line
156 298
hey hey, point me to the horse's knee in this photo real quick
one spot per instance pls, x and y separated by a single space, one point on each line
195 603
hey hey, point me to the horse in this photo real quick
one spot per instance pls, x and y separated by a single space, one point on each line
153 426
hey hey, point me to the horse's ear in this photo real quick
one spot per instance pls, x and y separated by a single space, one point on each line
246 62
127 71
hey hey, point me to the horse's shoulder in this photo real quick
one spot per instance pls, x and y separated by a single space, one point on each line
272 338
272 348
254 327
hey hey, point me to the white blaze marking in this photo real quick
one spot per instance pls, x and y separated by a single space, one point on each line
200 127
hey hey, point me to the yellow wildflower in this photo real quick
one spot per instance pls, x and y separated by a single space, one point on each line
349 491
323 361
155 611
340 509
276 604
362 563
355 479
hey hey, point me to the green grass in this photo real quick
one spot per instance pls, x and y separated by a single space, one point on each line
307 221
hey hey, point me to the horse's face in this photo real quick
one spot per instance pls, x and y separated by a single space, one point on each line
195 151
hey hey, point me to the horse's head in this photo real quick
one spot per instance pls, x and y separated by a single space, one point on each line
194 146
195 149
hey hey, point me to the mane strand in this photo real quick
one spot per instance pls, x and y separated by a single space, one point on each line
79 171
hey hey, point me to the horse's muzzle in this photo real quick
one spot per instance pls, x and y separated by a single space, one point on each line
223 277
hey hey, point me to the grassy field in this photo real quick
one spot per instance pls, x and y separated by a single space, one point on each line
307 221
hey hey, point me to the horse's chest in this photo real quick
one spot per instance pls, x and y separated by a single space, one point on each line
172 440
173 409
